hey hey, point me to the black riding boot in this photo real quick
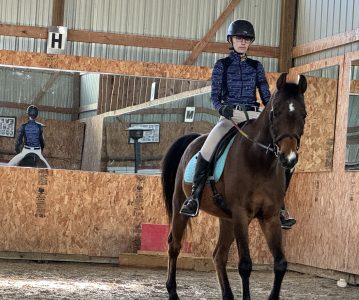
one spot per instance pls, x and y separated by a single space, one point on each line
191 206
286 220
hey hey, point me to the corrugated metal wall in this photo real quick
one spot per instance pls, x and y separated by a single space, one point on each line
24 85
317 19
185 19
25 12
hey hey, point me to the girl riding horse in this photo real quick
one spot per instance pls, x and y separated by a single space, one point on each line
234 82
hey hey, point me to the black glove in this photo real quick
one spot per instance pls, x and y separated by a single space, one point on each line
17 150
226 111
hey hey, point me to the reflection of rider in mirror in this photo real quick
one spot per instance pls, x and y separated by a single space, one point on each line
30 135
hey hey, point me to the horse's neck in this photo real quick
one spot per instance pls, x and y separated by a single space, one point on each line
260 129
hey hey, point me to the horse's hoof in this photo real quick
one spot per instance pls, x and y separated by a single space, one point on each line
173 297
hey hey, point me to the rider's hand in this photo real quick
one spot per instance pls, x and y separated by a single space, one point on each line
226 111
17 150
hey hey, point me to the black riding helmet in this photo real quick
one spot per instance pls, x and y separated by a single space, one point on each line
242 28
32 111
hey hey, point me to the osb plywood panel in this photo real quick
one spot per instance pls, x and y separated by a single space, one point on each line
317 144
326 207
71 212
92 64
63 148
87 213
100 214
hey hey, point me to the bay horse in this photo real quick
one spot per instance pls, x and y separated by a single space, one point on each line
252 185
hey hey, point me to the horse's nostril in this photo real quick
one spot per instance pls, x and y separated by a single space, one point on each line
288 161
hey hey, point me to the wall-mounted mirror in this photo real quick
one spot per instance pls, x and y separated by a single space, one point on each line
65 100
166 122
316 153
352 147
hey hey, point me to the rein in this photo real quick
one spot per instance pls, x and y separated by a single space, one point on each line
268 148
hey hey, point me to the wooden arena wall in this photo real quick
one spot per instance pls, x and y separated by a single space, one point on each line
91 213
100 214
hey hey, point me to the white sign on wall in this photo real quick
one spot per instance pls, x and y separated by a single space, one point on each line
56 39
7 126
153 91
189 114
152 135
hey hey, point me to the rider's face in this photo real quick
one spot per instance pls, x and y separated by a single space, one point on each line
241 44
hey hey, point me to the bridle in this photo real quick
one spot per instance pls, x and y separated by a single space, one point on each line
269 148
276 140
274 146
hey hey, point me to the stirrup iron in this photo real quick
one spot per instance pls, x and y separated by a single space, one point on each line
187 213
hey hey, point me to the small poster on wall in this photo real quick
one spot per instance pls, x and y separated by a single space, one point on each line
7 126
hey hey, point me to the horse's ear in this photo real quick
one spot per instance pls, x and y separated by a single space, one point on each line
281 80
302 84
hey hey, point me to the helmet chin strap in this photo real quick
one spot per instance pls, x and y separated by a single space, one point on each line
243 56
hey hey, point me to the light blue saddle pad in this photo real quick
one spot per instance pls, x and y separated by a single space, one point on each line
218 169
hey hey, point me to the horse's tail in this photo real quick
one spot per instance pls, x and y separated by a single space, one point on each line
169 168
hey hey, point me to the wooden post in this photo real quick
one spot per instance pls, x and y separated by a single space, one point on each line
287 28
58 9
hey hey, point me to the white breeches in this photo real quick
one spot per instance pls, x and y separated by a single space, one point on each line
16 159
221 128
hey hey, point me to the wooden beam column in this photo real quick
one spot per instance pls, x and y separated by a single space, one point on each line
209 35
58 9
49 83
287 30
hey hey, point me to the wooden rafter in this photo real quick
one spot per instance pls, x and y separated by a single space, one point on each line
61 110
209 35
330 42
132 40
45 88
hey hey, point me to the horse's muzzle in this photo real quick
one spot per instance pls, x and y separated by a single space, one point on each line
288 161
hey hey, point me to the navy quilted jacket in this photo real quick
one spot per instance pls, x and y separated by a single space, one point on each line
31 134
243 77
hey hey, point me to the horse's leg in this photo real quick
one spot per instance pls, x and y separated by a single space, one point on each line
273 234
220 256
240 225
178 227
